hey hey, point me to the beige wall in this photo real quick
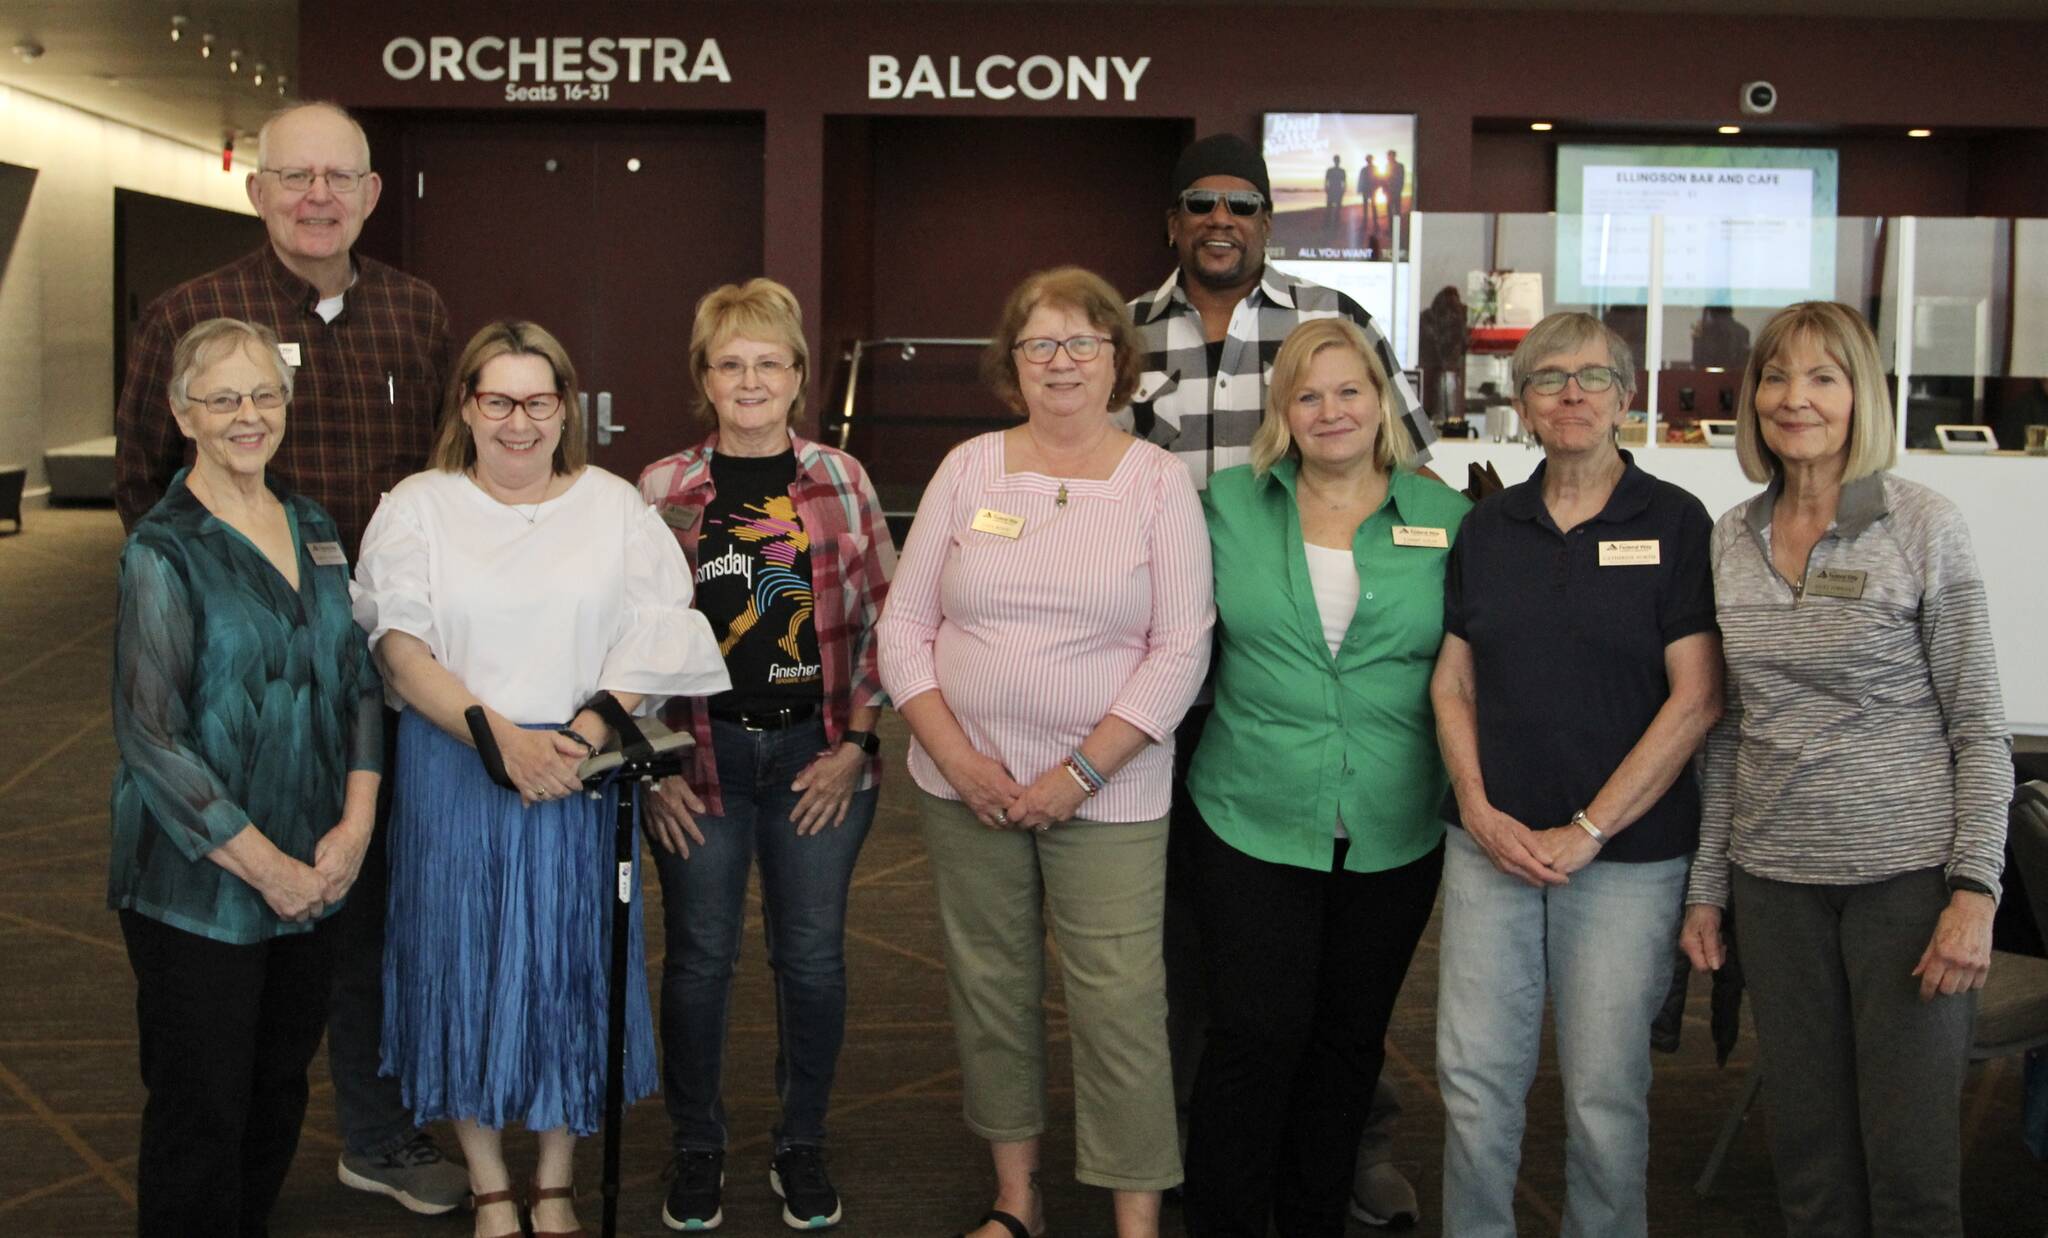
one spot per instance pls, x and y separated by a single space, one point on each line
57 284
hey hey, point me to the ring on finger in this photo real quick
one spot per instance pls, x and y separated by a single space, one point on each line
1002 817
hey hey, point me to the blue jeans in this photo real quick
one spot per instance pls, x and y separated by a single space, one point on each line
803 896
1602 948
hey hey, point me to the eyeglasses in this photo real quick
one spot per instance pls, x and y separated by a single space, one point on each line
1593 379
1244 203
496 405
767 369
228 403
1038 350
300 180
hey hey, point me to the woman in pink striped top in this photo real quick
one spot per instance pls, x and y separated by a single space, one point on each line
1048 625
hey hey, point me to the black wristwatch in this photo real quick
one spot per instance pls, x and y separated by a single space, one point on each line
869 742
1971 884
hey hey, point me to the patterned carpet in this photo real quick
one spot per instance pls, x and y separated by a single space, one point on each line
70 1096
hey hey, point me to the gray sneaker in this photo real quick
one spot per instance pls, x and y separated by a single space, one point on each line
415 1174
1381 1196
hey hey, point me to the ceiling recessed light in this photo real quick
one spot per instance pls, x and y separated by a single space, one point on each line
1540 126
206 47
235 61
1919 133
1729 129
257 76
178 24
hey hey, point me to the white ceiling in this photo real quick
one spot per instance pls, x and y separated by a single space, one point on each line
116 58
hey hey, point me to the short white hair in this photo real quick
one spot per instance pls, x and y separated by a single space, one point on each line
263 134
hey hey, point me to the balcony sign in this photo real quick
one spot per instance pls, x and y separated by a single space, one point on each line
1001 77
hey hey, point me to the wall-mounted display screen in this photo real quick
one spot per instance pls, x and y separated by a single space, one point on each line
1343 187
1743 225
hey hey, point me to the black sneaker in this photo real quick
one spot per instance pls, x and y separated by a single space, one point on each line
696 1183
808 1200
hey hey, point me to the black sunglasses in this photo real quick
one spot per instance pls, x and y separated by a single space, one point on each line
1243 202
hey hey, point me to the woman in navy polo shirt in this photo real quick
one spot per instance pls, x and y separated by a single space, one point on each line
1581 668
1317 780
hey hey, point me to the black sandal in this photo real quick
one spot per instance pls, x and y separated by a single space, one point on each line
1004 1219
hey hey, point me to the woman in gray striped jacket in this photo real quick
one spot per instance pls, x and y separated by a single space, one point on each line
1856 787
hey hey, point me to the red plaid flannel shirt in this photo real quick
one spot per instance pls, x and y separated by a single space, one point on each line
852 558
366 396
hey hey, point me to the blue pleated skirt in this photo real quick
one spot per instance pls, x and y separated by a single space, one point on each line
498 945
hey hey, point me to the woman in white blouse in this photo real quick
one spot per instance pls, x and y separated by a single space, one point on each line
514 576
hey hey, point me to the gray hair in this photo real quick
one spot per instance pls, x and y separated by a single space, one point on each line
263 134
211 340
1566 331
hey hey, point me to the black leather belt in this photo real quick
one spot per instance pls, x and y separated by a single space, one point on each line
767 719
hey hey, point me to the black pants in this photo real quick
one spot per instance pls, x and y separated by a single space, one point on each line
226 1033
368 1107
1303 969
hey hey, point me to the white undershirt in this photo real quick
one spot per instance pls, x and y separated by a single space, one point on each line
329 308
1333 575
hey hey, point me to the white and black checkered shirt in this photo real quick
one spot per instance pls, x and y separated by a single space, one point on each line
1207 419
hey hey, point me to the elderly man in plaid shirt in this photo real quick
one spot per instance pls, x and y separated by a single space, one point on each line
1210 331
370 349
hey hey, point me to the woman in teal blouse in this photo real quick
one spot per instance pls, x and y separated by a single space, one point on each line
246 711
1318 780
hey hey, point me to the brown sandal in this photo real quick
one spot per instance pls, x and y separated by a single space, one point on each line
488 1198
539 1193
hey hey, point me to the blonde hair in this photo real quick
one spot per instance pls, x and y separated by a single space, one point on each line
211 340
1392 448
455 447
759 309
1842 334
1085 293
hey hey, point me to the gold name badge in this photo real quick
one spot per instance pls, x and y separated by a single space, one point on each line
989 520
1834 582
326 554
1629 554
1415 535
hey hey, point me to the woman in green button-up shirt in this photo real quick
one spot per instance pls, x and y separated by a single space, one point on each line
1318 779
246 711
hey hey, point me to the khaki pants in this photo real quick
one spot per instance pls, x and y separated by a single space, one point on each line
1103 887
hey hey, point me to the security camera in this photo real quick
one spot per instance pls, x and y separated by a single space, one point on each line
1759 99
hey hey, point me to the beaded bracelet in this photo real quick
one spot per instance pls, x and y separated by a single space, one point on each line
1075 770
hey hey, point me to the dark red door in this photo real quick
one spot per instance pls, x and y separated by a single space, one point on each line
605 233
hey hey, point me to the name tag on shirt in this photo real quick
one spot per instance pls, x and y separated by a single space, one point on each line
290 353
1415 535
1834 582
1629 554
327 554
989 520
678 517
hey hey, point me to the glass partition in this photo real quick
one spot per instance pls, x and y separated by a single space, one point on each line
1689 300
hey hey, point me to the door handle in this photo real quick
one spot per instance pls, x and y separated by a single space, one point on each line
606 427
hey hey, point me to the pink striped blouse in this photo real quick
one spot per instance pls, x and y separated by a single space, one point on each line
1101 606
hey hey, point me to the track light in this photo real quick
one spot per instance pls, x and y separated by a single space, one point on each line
206 46
178 23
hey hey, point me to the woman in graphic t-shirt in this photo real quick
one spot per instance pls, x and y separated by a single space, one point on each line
787 542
